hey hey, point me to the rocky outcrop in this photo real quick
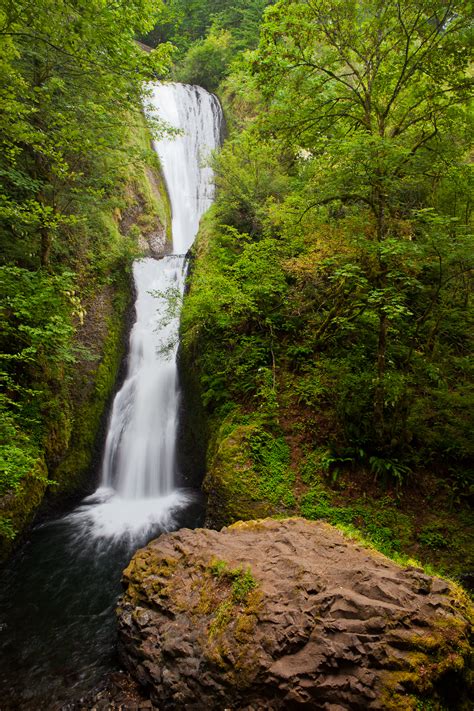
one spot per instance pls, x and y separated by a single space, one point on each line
155 235
287 614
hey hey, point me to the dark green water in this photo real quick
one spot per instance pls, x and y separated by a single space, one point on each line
57 601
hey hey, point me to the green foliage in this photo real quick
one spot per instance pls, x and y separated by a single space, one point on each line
187 21
207 60
243 584
209 36
382 524
7 530
230 303
36 347
15 464
389 469
330 301
249 179
62 152
267 396
433 537
358 100
37 309
333 464
218 568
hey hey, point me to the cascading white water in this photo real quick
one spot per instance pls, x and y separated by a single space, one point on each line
138 474
191 190
139 456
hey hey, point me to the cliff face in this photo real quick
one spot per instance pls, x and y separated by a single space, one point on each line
287 614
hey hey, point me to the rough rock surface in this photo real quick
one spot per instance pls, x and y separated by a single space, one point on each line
288 614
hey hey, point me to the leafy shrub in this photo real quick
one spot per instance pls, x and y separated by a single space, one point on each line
433 537
206 61
388 470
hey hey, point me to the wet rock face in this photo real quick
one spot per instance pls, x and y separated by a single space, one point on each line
288 614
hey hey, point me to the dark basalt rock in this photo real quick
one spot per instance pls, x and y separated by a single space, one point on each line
288 614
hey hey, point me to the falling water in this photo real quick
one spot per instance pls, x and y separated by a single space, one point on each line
139 453
185 158
139 460
138 487
58 596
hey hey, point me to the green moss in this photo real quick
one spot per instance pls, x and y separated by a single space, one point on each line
223 599
221 619
148 581
72 470
17 509
249 475
218 568
418 679
381 522
232 483
242 579
236 600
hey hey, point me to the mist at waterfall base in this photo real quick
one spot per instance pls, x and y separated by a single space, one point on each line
57 626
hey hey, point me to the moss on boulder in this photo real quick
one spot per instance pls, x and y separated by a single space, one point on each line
232 481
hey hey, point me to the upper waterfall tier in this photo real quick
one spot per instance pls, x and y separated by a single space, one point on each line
185 156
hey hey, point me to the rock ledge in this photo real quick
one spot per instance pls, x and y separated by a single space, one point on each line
288 614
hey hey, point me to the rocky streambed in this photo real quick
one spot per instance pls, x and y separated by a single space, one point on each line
283 614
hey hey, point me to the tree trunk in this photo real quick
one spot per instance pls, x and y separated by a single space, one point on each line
45 250
379 395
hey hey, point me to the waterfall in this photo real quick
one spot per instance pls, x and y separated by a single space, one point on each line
139 457
184 158
139 465
58 596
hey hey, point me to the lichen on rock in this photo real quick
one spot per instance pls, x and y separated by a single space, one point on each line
285 614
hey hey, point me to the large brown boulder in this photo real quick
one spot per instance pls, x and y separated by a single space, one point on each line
287 614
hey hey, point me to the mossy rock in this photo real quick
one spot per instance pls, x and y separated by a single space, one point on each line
18 508
277 614
232 481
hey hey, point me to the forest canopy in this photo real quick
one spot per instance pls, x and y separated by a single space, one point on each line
208 36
